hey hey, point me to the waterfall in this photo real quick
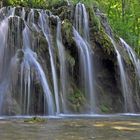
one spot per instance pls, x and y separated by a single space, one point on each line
68 2
3 81
3 40
133 57
29 56
81 35
39 70
136 62
30 60
81 21
23 13
45 28
126 89
63 70
29 63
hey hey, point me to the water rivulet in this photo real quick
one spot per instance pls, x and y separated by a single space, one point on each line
63 62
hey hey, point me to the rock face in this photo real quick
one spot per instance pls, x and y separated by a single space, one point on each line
46 74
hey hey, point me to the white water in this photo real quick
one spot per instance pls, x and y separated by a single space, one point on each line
68 2
132 56
30 61
63 70
81 35
126 89
29 55
136 62
46 31
8 65
3 40
23 13
30 68
28 64
86 66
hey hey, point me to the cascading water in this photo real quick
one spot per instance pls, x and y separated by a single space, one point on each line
132 56
3 81
37 71
81 21
81 35
126 89
136 62
45 28
30 58
28 62
3 39
68 2
63 70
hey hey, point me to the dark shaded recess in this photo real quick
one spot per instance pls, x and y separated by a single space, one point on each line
38 98
107 87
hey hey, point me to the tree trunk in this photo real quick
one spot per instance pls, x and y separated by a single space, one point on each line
123 10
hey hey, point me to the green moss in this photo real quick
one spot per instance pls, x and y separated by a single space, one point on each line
76 100
65 13
94 20
103 40
67 31
36 120
104 108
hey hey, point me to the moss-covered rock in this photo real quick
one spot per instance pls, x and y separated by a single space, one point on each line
35 120
64 12
104 42
76 100
95 24
67 31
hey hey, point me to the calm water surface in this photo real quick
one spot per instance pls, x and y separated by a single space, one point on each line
108 128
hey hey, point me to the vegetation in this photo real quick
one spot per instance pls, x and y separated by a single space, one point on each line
124 15
35 120
76 99
27 3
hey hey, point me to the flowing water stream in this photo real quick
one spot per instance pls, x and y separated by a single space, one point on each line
126 89
81 34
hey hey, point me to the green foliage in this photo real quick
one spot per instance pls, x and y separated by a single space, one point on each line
36 120
28 3
124 17
55 3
